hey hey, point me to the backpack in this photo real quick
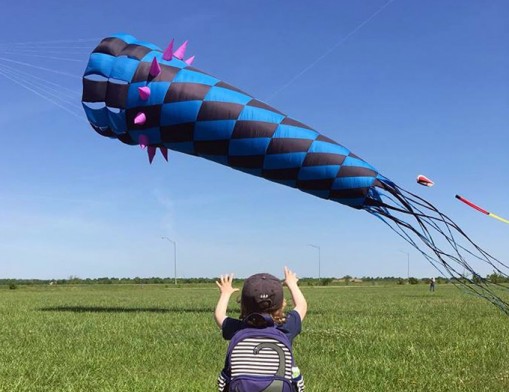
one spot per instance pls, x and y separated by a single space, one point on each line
259 358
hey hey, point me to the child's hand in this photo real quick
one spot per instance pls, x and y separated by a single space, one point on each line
301 306
226 289
290 277
225 284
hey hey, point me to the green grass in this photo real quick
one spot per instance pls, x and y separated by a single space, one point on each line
157 338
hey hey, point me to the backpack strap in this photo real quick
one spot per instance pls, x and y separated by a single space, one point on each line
258 320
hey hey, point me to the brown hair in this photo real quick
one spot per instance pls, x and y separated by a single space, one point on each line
278 315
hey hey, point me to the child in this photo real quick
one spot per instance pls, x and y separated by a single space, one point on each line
262 294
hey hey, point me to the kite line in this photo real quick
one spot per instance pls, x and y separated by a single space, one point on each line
331 49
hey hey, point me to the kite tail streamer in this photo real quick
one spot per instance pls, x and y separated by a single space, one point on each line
447 246
480 209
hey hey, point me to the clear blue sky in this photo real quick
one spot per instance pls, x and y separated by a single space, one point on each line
413 87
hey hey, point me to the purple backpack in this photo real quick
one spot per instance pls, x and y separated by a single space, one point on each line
259 358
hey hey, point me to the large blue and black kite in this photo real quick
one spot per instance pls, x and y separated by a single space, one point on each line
137 93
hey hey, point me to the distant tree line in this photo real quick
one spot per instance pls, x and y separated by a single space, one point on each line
326 281
105 280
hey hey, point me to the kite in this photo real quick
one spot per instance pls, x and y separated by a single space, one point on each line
141 95
476 207
425 181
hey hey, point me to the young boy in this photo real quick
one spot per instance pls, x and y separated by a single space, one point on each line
262 294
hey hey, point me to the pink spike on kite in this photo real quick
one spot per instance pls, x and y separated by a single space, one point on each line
151 152
168 53
181 51
155 68
143 141
164 151
190 60
144 92
140 118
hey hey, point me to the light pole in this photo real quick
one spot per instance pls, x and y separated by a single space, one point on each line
174 257
408 264
319 273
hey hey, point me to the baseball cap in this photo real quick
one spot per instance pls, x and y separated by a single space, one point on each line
263 292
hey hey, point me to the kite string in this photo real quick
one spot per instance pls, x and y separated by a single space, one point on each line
330 50
43 87
47 84
47 49
41 68
42 54
77 52
27 86
13 69
49 42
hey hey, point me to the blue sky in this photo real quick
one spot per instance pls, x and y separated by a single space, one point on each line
412 87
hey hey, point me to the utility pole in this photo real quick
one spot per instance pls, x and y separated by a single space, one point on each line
319 262
174 257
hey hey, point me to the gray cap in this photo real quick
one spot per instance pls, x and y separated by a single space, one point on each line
263 292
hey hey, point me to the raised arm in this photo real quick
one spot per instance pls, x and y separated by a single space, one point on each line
226 289
301 305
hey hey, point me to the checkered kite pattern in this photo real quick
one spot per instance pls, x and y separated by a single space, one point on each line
195 113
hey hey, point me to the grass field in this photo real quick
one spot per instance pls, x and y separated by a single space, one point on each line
163 338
